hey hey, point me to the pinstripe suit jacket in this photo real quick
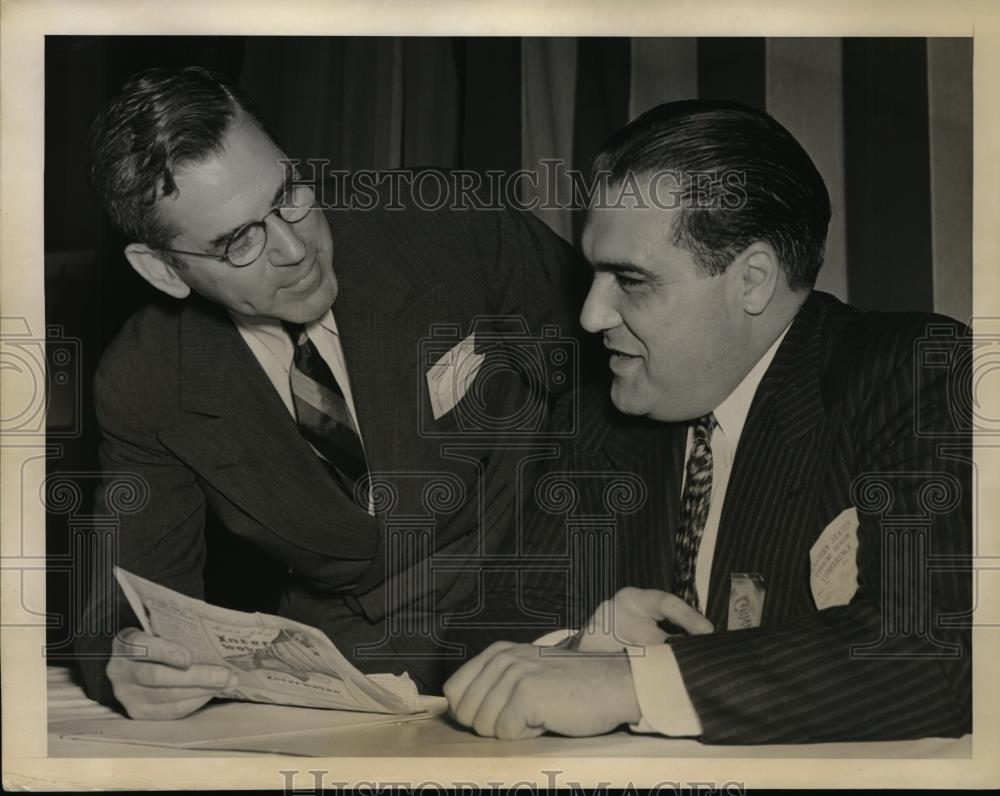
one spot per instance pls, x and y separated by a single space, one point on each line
856 409
185 406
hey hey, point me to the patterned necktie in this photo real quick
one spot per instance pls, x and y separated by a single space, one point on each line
322 413
694 509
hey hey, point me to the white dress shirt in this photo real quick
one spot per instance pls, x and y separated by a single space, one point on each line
274 350
659 688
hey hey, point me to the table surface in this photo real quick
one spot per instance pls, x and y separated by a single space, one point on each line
79 727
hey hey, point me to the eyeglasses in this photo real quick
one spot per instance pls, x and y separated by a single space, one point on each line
249 242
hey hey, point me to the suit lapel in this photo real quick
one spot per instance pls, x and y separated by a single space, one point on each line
787 406
655 450
382 318
242 440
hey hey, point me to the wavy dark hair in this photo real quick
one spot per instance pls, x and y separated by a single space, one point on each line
161 120
784 199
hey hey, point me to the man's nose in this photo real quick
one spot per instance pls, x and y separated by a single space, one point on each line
599 313
285 244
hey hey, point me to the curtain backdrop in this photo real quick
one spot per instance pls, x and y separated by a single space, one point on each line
888 122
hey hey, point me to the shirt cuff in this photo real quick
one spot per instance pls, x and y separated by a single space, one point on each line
663 700
553 638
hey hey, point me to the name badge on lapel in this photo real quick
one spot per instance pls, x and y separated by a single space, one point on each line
449 379
833 561
746 600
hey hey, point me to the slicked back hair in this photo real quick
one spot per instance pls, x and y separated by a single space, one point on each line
779 195
161 120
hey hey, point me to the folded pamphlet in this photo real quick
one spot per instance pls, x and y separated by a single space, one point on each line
277 660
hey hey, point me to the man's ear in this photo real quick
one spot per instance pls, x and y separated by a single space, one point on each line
760 275
155 270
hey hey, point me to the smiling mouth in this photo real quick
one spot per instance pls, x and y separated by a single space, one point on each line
622 355
306 275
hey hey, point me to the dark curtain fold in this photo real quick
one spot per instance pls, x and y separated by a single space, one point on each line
335 99
603 71
430 122
733 68
888 191
491 94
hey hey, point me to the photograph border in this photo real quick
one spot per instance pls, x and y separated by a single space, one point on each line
23 26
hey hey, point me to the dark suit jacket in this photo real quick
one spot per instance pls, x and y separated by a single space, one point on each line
184 406
856 409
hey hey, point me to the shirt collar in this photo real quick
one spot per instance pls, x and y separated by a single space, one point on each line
327 321
272 334
732 413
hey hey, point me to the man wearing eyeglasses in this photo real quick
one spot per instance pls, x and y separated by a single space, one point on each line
290 381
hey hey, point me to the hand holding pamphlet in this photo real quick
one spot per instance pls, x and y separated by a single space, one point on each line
277 660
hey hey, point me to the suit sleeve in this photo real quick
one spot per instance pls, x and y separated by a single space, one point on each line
885 666
158 536
525 595
535 275
532 277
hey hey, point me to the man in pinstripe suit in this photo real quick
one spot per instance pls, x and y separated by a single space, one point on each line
798 569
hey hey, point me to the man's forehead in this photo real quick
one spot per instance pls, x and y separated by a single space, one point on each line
234 186
610 230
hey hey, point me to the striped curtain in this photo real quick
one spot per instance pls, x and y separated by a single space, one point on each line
887 121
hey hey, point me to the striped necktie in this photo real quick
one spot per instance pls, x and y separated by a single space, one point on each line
694 510
322 413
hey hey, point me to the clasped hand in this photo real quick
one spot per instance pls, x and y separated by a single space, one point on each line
517 691
632 617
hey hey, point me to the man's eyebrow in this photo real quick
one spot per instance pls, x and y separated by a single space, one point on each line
220 240
605 266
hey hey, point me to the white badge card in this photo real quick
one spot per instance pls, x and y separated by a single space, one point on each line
833 561
450 377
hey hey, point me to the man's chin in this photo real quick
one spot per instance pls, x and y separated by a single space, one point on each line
320 300
624 400
306 312
631 402
308 315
